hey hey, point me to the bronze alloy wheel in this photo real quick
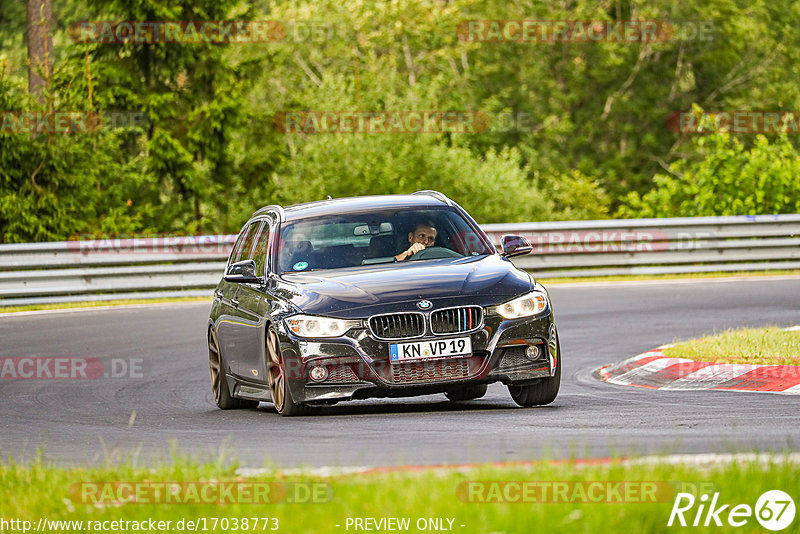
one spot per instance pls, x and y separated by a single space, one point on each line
214 365
277 379
219 385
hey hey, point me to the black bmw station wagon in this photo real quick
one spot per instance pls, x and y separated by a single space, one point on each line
382 296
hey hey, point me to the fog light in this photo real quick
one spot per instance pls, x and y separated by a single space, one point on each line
318 374
532 352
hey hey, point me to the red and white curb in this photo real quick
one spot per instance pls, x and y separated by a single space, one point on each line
655 371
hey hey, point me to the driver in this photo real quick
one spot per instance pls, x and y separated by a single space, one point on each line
423 236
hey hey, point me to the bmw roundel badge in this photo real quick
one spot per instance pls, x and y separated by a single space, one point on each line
424 305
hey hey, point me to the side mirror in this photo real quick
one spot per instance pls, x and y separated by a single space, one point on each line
243 272
515 245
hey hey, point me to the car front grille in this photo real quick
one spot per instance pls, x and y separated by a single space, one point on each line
397 325
431 371
456 320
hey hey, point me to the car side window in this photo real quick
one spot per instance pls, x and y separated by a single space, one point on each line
245 245
262 247
237 245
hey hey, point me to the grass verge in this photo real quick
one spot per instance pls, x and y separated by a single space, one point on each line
323 505
763 346
99 303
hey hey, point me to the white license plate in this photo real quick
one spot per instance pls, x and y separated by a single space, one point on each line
436 348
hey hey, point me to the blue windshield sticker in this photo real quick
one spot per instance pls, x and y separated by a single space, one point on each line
300 265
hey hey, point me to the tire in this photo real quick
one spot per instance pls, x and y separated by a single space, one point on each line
278 382
541 392
465 393
222 395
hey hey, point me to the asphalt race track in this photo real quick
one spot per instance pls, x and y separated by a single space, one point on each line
87 421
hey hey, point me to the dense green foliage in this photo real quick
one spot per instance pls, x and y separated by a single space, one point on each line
729 179
590 139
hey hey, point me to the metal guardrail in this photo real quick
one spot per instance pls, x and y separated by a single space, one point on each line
658 246
107 269
189 266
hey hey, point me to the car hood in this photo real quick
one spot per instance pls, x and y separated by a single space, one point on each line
486 279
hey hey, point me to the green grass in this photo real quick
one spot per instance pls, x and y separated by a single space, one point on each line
41 490
94 304
770 346
666 277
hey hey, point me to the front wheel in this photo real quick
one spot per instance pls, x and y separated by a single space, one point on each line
541 392
278 379
222 395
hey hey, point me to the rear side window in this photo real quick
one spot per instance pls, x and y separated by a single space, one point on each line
245 243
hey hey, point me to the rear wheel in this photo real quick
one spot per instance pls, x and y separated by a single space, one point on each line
278 379
541 392
465 393
222 395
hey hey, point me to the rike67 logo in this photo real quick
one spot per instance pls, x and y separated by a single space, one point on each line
774 510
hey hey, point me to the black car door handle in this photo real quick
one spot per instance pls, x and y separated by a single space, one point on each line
218 294
235 303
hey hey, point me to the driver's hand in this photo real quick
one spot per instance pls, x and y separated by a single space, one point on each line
413 249
416 247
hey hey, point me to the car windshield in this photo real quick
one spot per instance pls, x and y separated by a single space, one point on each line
366 238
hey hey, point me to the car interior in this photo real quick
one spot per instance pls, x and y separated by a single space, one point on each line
371 243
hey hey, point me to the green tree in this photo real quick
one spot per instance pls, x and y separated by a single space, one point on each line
729 179
193 95
53 186
492 189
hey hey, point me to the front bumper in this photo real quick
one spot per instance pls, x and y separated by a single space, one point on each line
358 365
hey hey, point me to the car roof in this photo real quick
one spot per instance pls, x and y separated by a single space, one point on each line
338 206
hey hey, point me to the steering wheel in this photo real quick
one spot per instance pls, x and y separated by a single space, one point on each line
435 253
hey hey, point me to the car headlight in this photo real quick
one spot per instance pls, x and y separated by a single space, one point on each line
314 326
524 306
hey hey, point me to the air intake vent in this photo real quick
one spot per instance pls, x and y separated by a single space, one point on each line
514 357
456 320
341 374
397 325
432 371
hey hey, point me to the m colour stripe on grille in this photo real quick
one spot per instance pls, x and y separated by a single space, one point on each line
454 320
